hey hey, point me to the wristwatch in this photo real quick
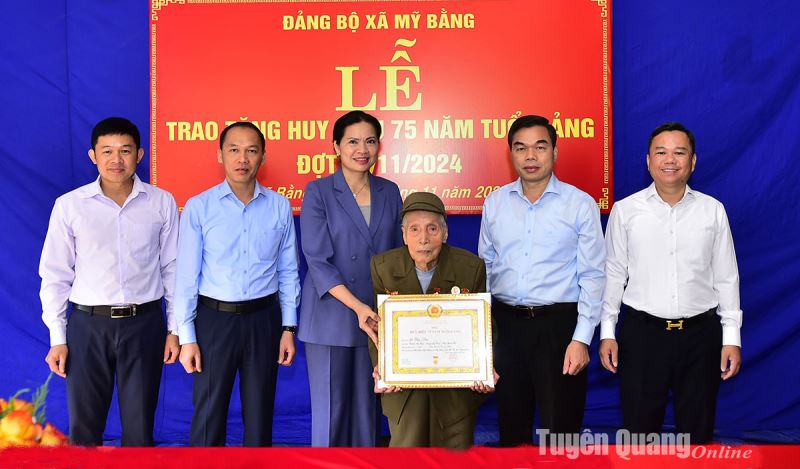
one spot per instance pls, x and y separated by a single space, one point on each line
292 329
172 332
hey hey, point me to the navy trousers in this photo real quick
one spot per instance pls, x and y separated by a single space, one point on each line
100 349
655 361
529 357
230 343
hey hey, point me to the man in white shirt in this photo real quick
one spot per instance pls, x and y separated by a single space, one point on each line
110 250
671 261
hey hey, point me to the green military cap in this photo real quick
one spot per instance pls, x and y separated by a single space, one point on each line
423 201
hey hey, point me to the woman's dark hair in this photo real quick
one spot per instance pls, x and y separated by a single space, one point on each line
354 117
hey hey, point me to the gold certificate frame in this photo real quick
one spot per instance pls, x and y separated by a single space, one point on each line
435 341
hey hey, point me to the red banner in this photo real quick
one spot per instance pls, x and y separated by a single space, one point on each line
446 79
589 457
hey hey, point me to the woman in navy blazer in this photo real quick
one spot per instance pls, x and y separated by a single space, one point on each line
346 219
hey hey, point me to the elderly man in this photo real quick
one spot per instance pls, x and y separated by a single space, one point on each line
671 260
428 417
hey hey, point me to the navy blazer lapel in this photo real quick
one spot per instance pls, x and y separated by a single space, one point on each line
378 206
349 205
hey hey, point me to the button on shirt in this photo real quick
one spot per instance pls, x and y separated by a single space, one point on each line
235 252
677 261
98 253
546 252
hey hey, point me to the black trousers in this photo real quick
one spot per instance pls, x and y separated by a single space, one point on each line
529 357
230 342
100 348
654 361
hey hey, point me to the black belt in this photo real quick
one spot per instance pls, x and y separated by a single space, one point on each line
531 312
673 324
120 311
238 307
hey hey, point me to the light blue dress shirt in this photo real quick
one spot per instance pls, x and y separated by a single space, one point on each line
551 251
235 252
425 277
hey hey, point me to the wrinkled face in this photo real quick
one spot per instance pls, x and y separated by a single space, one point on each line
116 157
358 147
533 154
241 155
424 233
670 159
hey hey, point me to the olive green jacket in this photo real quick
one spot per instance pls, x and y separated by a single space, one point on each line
393 271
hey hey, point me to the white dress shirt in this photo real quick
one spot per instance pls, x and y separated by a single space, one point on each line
98 253
677 261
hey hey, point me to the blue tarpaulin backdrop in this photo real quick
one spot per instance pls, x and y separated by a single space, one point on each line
729 70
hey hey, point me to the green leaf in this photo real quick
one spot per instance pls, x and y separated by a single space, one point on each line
11 402
40 400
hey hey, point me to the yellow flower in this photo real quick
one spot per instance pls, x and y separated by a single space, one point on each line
16 404
52 437
18 429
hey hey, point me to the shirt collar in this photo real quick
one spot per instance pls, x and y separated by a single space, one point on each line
138 185
224 190
553 186
94 188
652 192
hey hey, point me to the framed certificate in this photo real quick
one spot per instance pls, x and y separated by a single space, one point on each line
435 341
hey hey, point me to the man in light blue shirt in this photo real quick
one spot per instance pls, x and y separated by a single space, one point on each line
542 242
236 292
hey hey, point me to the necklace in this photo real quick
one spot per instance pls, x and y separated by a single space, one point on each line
355 194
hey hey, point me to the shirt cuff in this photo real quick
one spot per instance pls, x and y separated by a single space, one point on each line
186 334
288 315
325 289
58 336
172 322
583 332
608 329
731 335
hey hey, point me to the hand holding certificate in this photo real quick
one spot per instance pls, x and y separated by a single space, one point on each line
435 341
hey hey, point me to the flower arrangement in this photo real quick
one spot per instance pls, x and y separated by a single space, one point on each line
21 422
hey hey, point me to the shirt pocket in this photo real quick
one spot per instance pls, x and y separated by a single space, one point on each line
558 244
267 244
144 241
699 243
